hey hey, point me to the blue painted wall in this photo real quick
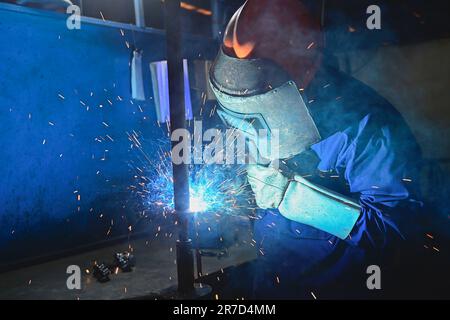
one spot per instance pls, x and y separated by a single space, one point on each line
63 93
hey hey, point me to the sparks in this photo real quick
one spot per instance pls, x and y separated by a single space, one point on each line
212 188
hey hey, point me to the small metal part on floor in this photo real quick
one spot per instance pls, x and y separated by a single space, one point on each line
155 271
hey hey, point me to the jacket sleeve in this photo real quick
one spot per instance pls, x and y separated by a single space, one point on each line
366 155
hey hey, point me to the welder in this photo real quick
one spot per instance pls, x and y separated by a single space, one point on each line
347 196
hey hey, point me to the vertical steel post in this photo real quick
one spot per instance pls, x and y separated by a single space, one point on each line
139 13
185 258
216 18
80 4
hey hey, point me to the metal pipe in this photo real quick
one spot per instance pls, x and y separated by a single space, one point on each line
198 258
322 14
80 4
185 259
216 24
139 13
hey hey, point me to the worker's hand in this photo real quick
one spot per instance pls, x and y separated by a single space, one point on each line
268 184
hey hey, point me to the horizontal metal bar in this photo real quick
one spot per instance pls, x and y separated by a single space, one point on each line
94 21
89 20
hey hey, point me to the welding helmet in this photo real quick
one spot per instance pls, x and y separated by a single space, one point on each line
269 52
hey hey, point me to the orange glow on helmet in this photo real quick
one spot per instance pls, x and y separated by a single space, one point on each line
282 31
231 42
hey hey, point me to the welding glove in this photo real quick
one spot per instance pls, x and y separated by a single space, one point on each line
302 201
268 184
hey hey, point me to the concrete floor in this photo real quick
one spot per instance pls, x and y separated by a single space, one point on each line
155 270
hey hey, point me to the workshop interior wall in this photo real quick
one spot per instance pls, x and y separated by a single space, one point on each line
414 78
66 162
